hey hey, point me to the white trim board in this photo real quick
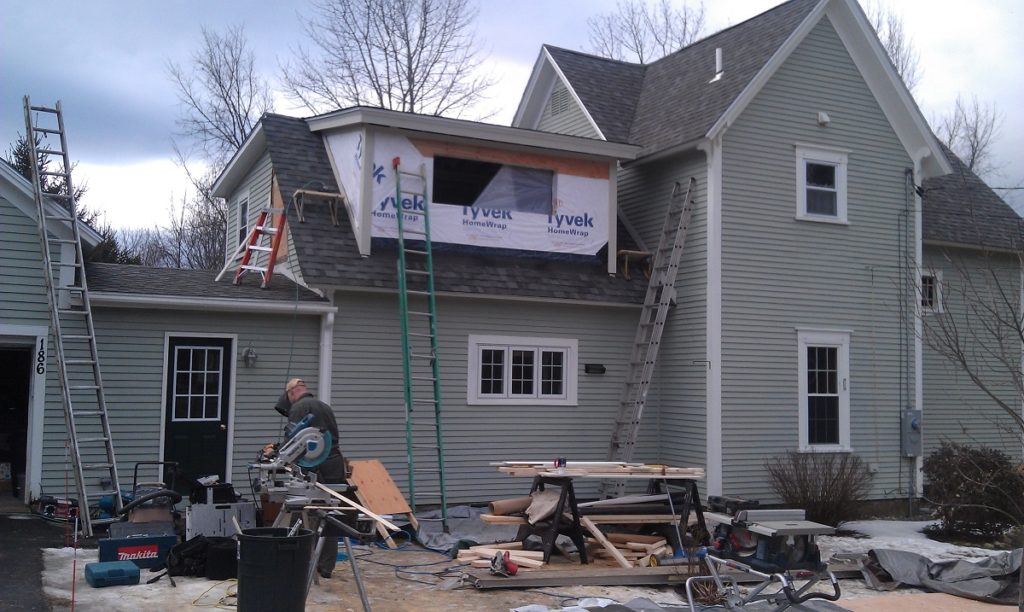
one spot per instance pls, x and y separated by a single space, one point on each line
32 336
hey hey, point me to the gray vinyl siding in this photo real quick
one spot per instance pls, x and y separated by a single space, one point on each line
570 119
780 274
132 357
676 400
955 409
368 390
22 292
257 185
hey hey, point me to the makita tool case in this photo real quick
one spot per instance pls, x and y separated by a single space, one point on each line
111 573
144 551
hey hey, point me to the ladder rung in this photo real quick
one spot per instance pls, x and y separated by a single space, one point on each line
85 413
259 248
421 356
424 401
420 313
415 252
254 268
63 196
421 335
49 173
426 446
420 272
61 241
424 378
102 493
266 230
417 292
69 288
415 232
79 361
46 130
90 440
70 264
50 151
97 466
84 387
44 109
74 312
76 337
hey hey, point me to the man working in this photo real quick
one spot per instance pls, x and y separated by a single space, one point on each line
296 403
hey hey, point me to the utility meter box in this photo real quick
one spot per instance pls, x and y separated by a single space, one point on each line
910 433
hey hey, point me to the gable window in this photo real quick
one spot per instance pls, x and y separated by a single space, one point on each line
493 186
821 184
243 218
931 292
824 372
521 370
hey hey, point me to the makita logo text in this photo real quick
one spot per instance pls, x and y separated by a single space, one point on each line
584 220
486 213
129 553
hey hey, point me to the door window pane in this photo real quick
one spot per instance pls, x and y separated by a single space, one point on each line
197 383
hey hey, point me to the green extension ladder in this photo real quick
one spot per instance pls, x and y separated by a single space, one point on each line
91 446
420 362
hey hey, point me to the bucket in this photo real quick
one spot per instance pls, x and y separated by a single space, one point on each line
273 569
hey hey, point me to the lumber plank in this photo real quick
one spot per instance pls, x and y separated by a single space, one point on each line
500 545
645 548
592 528
495 519
633 519
490 552
624 538
348 502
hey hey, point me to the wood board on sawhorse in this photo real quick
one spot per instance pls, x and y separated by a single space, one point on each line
377 491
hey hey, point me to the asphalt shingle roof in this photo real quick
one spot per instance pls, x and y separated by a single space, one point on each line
959 208
671 99
144 280
328 255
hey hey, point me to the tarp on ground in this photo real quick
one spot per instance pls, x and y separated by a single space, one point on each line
993 579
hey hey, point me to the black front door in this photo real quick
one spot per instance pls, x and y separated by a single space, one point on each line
16 365
196 418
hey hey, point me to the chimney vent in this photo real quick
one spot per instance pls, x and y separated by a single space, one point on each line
718 65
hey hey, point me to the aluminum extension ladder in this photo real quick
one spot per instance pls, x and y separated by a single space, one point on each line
71 321
661 293
255 246
420 362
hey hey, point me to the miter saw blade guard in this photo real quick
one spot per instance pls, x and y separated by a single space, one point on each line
318 448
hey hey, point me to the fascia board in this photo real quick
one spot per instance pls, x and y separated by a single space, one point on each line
496 134
25 201
896 101
528 105
240 163
946 244
568 86
767 71
166 302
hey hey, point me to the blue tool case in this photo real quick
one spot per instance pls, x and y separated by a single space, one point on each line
111 573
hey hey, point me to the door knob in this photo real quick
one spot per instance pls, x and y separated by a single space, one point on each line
223 427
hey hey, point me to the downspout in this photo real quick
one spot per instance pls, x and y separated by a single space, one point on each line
713 317
917 479
326 354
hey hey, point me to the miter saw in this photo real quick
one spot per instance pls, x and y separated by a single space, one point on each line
776 545
281 467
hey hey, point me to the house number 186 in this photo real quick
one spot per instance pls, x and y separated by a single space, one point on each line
41 357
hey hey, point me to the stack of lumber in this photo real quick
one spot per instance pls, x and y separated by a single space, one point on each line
597 469
632 547
480 556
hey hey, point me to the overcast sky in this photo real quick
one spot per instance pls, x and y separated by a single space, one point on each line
107 61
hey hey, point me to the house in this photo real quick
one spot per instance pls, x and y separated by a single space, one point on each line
798 322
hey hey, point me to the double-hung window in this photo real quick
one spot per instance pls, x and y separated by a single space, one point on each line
820 184
824 392
243 218
520 370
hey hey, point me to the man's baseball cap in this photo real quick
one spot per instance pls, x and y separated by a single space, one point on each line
295 382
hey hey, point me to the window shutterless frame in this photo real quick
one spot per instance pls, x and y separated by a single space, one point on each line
930 292
823 359
512 370
821 190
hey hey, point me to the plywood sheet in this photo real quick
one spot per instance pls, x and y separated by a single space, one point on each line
376 489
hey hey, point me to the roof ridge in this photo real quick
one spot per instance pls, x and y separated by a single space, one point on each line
594 56
727 29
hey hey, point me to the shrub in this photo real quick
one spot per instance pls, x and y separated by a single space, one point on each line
831 488
978 491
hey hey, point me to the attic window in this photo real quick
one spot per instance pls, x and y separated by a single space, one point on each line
492 186
559 101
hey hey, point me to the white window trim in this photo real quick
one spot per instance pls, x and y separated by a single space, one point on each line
841 340
936 308
243 220
836 157
569 345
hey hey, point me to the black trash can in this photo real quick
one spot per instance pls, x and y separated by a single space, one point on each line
273 569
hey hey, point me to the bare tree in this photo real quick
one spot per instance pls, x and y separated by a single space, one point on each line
147 245
222 97
969 131
898 44
641 32
416 56
221 94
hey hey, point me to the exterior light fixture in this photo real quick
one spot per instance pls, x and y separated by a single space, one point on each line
594 368
249 357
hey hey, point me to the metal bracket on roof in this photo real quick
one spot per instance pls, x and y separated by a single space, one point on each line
332 199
